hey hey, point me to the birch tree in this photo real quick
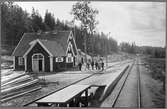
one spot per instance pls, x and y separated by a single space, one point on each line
83 12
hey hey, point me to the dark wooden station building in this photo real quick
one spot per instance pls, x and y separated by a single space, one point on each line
46 52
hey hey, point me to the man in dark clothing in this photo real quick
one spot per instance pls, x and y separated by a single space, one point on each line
80 66
96 65
99 65
92 64
88 63
82 60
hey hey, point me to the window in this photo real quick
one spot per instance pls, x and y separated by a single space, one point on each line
59 59
69 55
21 60
69 59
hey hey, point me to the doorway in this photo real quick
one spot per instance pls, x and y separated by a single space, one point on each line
37 62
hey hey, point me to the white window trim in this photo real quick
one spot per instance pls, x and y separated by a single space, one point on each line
19 61
71 59
43 60
69 55
57 59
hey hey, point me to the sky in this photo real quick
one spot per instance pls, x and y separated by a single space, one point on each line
139 22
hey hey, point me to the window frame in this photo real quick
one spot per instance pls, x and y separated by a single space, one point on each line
61 59
20 61
72 59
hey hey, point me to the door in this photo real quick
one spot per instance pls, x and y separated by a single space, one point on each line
35 66
37 62
40 65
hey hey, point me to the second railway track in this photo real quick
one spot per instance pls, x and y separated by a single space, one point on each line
139 86
138 90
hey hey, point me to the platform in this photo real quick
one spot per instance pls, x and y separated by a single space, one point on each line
65 94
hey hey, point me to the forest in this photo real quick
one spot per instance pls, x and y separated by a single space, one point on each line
16 22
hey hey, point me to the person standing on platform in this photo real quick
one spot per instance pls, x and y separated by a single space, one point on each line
85 63
92 64
99 65
102 64
96 65
80 66
88 64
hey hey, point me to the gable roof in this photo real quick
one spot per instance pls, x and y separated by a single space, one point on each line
56 43
54 47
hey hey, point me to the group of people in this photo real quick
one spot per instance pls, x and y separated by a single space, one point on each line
92 64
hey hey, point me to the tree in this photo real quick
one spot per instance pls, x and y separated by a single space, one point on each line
84 13
36 21
13 25
129 48
49 21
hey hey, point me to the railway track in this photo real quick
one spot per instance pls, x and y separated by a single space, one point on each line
139 86
139 104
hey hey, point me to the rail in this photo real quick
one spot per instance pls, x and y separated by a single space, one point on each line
117 96
139 103
139 86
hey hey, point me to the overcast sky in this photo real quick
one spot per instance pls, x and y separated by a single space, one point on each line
139 22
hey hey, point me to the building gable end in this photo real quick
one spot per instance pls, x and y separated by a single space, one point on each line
32 46
71 36
70 47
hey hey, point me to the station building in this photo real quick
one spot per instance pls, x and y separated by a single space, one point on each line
46 52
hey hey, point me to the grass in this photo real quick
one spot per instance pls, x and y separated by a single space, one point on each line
157 72
157 67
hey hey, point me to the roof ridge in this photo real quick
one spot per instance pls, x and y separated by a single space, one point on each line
46 32
65 31
30 33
